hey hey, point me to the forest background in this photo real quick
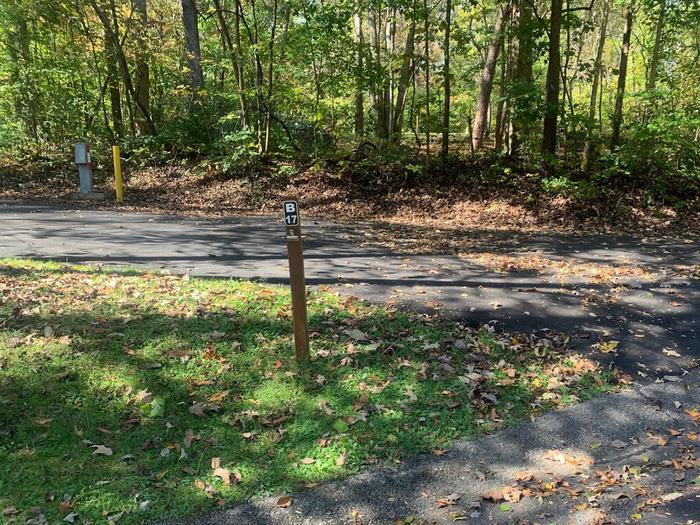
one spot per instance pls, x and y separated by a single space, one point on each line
587 108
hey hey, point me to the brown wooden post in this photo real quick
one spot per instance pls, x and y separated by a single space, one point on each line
292 223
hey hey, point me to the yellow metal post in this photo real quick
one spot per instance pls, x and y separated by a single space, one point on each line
119 189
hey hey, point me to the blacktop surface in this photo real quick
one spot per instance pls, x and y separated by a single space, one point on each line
652 311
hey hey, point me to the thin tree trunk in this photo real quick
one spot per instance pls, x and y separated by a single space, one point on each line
255 40
597 70
658 43
239 64
549 128
115 100
270 78
233 53
500 112
31 116
426 33
404 81
377 39
124 68
143 76
389 49
447 84
359 40
486 85
622 78
194 54
523 74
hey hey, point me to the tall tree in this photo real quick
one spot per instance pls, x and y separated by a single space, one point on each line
597 72
426 57
190 23
359 40
115 101
235 57
142 76
622 78
658 43
123 66
446 82
483 100
407 71
270 78
523 49
551 110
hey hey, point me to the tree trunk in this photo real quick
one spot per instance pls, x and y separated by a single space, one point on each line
378 40
115 100
523 73
486 85
124 67
239 65
501 105
234 52
143 76
270 79
446 81
194 55
658 43
359 40
404 81
622 79
389 48
551 110
597 70
426 28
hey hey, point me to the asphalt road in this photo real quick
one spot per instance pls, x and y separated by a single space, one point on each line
652 317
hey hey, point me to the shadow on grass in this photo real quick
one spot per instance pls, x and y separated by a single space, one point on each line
73 372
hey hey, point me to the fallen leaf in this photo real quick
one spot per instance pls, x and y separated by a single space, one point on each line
355 334
341 459
284 502
494 495
144 396
671 496
189 438
224 474
308 461
448 500
607 347
101 450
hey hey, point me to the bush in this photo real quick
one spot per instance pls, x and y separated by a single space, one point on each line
660 155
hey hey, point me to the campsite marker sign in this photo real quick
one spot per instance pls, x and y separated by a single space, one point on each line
295 253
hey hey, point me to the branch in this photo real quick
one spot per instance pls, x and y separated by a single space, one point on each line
583 8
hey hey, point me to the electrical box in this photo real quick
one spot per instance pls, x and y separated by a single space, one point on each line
82 153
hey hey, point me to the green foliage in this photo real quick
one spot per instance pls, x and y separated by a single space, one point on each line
563 185
661 154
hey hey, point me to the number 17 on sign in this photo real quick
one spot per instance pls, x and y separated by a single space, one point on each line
297 282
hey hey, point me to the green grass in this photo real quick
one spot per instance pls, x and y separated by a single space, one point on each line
91 357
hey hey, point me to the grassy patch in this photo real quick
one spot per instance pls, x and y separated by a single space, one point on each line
176 377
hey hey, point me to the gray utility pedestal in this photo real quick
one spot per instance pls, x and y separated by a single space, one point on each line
84 163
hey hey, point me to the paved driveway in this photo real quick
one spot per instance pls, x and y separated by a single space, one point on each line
654 314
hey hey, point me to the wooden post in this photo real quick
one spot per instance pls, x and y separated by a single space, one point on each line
292 223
